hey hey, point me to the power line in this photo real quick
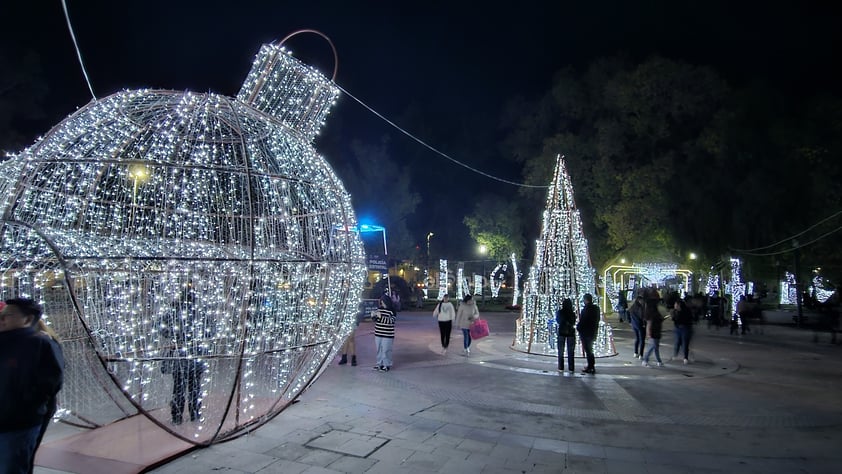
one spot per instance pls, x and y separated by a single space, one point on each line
434 150
78 51
796 247
790 238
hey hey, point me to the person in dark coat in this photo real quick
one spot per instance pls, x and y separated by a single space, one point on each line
588 327
638 326
654 323
31 374
566 319
683 319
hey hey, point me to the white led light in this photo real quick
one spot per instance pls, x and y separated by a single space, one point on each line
561 270
156 225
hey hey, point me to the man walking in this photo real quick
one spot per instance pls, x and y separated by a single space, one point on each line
588 326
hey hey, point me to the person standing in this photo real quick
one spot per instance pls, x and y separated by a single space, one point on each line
444 314
184 357
638 326
384 333
465 315
622 306
654 322
588 327
683 319
350 347
31 374
566 319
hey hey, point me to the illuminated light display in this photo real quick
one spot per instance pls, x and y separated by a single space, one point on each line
164 229
497 277
442 278
562 269
477 284
516 281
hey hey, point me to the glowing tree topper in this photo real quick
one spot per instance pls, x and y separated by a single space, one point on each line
163 229
562 269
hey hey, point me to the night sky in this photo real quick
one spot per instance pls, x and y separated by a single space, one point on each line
439 58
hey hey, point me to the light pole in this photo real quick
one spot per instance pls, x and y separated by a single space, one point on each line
482 250
427 272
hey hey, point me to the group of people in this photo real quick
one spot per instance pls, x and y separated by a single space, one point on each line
647 323
384 329
384 336
587 324
31 375
463 317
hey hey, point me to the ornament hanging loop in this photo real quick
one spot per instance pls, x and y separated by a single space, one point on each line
332 47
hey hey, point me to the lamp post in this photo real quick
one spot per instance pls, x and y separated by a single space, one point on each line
483 250
427 271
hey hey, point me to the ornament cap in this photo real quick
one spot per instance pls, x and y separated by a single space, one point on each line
288 90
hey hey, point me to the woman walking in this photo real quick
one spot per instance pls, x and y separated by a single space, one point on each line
444 314
465 315
654 322
638 326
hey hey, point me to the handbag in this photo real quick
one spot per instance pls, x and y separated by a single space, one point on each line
479 329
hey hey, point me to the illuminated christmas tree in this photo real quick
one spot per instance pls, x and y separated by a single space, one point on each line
561 269
164 229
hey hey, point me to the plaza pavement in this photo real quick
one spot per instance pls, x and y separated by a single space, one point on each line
767 402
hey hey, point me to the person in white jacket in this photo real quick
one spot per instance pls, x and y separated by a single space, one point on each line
444 314
465 315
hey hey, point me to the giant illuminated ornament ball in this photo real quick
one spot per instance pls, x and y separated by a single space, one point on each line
196 255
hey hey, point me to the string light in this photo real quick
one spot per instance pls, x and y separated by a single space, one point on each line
442 278
159 226
561 270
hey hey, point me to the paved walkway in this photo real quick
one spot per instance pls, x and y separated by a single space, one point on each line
760 403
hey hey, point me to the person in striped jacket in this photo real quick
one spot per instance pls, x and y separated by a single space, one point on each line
384 333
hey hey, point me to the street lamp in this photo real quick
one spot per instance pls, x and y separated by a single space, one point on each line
483 250
427 272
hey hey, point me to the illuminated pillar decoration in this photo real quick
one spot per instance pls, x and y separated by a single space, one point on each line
789 291
478 285
442 278
735 286
562 269
497 276
516 281
460 287
163 230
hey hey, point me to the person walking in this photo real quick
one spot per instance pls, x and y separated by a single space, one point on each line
465 315
31 374
638 326
444 314
683 319
588 327
384 333
566 319
622 306
654 322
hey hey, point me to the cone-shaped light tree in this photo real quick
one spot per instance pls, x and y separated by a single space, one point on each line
562 269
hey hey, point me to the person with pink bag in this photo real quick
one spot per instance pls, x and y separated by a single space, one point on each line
465 315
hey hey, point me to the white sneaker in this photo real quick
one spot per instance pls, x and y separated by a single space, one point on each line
444 351
686 361
468 350
660 364
645 364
